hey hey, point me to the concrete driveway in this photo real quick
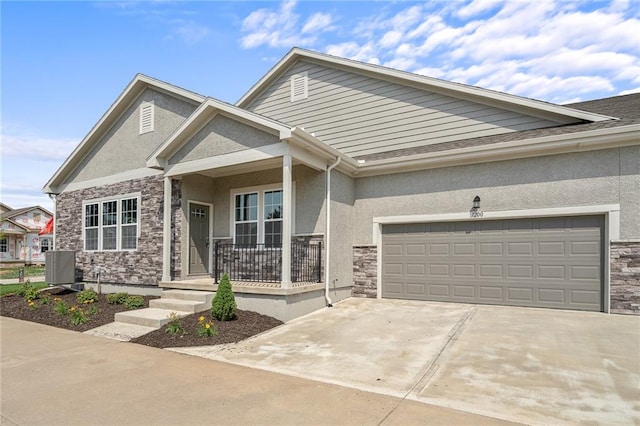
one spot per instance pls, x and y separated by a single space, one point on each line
535 366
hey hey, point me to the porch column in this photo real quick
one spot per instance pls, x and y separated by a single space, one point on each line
286 220
166 232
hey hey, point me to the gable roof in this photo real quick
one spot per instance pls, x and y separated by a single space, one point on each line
139 83
626 107
205 112
561 114
18 212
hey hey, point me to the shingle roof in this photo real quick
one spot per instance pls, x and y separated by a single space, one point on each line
626 108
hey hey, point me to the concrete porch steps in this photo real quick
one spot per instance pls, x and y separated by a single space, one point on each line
182 302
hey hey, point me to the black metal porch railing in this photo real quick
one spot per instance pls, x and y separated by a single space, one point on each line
261 263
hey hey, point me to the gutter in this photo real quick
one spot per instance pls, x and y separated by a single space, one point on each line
328 234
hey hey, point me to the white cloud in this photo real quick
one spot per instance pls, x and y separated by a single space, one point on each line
36 148
630 91
189 31
548 49
318 22
275 28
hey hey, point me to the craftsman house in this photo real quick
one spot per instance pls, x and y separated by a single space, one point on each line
333 178
21 241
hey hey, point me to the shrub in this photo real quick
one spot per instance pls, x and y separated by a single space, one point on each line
22 291
87 296
117 298
223 306
174 325
134 302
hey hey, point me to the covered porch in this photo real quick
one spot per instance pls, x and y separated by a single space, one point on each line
231 206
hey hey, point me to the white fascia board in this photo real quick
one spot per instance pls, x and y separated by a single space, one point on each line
537 108
556 144
108 180
136 86
226 160
201 117
315 145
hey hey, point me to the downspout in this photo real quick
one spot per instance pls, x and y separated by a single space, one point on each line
328 234
52 197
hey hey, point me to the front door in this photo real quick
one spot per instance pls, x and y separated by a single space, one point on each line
198 239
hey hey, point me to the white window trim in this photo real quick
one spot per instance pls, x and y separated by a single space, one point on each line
260 190
295 95
118 200
150 107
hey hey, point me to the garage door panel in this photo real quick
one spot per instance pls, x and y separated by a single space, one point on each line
490 249
544 262
464 270
438 270
551 295
490 271
551 248
554 272
464 249
464 291
440 249
490 294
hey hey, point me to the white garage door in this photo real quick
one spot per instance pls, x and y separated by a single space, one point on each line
543 262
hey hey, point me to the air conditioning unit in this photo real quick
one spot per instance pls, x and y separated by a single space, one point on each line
60 267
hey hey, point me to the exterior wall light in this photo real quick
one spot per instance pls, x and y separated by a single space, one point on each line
475 210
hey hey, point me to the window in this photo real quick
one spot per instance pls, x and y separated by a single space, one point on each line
299 87
3 245
273 218
111 224
146 117
258 218
246 226
45 244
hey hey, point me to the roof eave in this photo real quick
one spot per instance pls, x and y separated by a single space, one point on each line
135 87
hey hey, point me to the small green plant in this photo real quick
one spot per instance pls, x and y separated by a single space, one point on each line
87 296
60 307
117 298
29 292
134 302
223 306
174 326
45 299
78 315
206 328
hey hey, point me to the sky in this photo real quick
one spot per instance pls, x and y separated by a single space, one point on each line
64 63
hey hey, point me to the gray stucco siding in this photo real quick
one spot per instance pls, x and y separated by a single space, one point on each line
343 190
338 99
568 180
222 135
122 148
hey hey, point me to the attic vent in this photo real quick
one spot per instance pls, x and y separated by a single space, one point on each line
146 117
299 87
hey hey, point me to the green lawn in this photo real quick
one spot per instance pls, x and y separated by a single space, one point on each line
29 271
13 288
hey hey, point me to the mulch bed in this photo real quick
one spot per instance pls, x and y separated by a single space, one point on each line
246 323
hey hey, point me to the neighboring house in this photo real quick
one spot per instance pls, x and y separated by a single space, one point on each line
331 178
20 242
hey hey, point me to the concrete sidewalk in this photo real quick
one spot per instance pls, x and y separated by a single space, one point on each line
55 376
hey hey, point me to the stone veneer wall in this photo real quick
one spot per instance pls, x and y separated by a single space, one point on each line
365 273
176 229
625 277
142 266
